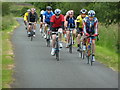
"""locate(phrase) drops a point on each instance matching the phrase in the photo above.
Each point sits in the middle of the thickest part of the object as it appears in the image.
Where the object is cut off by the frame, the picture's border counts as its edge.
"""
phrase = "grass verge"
(107, 57)
(7, 55)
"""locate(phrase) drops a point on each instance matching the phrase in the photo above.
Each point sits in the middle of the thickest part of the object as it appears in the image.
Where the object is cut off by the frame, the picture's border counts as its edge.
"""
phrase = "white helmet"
(57, 11)
(28, 10)
(91, 13)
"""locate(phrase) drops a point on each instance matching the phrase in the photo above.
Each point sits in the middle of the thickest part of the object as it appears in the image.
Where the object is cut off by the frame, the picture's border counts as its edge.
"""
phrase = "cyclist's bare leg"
(60, 36)
(68, 36)
(74, 34)
(41, 23)
(45, 28)
(93, 46)
(29, 28)
(25, 22)
(78, 38)
(53, 40)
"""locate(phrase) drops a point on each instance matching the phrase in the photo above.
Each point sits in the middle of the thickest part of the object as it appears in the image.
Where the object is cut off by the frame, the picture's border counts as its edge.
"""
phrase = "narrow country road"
(36, 68)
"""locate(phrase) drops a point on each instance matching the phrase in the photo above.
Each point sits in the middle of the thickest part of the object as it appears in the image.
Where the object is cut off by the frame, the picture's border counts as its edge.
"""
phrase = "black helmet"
(48, 8)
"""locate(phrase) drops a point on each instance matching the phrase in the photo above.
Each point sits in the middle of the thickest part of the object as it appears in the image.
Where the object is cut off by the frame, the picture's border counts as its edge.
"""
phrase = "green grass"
(107, 57)
(108, 37)
(7, 53)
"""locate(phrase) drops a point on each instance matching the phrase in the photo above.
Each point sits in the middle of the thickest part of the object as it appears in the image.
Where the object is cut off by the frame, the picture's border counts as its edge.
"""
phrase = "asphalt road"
(36, 68)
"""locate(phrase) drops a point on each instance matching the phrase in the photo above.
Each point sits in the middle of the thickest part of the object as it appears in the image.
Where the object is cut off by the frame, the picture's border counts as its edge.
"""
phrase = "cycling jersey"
(57, 22)
(71, 22)
(90, 27)
(80, 20)
(32, 17)
(48, 16)
(26, 16)
(41, 18)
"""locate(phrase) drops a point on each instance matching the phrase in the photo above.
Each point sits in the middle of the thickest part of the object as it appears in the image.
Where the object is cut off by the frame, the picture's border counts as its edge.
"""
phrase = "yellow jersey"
(80, 20)
(26, 16)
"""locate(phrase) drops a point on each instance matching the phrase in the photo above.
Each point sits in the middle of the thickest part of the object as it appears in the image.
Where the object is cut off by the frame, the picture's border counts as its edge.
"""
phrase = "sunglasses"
(57, 14)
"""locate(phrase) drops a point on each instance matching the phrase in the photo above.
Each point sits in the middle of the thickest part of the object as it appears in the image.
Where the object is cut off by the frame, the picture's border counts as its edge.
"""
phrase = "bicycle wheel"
(70, 46)
(57, 51)
(87, 59)
(48, 42)
(31, 35)
(91, 60)
(83, 55)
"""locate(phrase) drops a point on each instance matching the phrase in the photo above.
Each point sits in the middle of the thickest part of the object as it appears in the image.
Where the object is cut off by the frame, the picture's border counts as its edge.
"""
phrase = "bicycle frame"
(71, 39)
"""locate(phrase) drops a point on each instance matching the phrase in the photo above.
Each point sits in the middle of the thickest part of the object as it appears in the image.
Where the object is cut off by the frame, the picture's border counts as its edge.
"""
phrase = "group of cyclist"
(84, 25)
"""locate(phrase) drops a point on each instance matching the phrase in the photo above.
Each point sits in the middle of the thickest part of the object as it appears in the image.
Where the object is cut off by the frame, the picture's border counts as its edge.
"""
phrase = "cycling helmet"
(71, 12)
(28, 10)
(57, 11)
(32, 9)
(91, 13)
(83, 11)
(48, 8)
(42, 12)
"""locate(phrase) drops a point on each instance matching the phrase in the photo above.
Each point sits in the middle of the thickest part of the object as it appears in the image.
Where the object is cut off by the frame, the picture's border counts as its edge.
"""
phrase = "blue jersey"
(71, 22)
(48, 16)
(90, 26)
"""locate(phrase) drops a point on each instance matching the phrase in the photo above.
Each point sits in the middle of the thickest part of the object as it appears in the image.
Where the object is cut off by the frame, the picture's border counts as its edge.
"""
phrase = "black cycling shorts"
(31, 23)
(79, 31)
(55, 29)
(48, 23)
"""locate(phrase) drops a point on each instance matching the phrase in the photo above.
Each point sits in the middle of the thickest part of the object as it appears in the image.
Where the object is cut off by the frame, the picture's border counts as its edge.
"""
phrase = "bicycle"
(57, 45)
(89, 50)
(31, 30)
(71, 39)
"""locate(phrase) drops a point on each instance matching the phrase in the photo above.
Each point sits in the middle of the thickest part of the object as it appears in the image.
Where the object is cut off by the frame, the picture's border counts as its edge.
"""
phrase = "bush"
(23, 10)
(7, 22)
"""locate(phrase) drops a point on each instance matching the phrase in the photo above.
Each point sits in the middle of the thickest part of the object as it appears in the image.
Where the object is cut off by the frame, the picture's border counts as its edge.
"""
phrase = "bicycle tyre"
(57, 51)
(87, 59)
(31, 35)
(48, 42)
(91, 62)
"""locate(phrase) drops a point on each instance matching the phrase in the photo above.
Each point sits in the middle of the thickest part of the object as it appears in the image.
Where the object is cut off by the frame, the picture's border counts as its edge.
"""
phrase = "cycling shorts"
(79, 31)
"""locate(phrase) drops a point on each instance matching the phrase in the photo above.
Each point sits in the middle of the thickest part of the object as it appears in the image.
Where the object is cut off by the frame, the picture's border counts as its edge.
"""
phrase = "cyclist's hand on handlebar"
(95, 35)
(87, 34)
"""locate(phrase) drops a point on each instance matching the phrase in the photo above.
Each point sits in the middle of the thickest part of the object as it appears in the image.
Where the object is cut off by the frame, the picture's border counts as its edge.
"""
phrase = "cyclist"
(46, 17)
(56, 25)
(32, 17)
(26, 17)
(79, 23)
(41, 19)
(65, 24)
(90, 26)
(70, 21)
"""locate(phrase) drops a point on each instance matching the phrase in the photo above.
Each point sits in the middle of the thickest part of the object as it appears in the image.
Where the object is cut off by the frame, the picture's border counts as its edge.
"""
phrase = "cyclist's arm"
(25, 17)
(84, 27)
(96, 27)
(63, 20)
(51, 22)
(36, 17)
(78, 22)
(29, 17)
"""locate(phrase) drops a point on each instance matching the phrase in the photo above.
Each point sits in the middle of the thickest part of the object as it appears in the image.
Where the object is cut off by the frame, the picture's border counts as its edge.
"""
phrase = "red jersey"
(57, 22)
